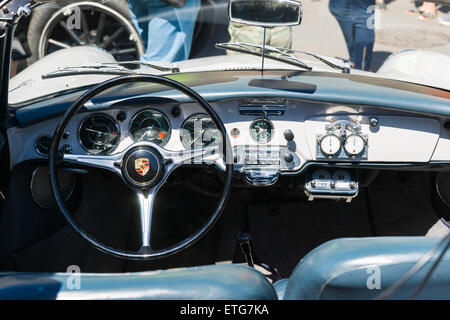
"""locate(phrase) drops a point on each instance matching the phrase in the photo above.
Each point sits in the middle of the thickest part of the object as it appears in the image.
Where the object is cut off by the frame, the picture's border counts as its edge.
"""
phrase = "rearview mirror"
(266, 13)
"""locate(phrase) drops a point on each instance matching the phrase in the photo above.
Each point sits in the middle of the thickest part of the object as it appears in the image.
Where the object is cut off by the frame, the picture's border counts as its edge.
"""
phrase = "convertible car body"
(216, 179)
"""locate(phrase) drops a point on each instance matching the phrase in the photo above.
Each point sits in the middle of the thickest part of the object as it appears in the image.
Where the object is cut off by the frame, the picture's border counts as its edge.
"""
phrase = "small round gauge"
(199, 131)
(342, 176)
(43, 145)
(330, 144)
(150, 125)
(99, 133)
(261, 130)
(321, 174)
(354, 144)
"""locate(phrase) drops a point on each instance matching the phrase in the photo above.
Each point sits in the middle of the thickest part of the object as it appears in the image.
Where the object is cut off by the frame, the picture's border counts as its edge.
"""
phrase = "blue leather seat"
(209, 282)
(361, 268)
(280, 288)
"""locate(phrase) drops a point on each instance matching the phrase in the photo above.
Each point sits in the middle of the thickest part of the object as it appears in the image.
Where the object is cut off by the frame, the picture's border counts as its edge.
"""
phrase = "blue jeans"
(165, 31)
(355, 18)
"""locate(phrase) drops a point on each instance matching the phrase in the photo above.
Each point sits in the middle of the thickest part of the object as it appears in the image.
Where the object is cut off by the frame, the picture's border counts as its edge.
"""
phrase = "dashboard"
(323, 127)
(295, 131)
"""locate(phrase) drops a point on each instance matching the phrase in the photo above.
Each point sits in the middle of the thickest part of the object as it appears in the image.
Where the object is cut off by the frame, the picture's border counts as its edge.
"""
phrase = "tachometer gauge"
(261, 130)
(330, 144)
(99, 134)
(150, 125)
(354, 145)
(199, 131)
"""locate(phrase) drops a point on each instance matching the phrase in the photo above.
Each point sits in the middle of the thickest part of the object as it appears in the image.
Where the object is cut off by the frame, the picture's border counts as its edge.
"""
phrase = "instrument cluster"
(100, 133)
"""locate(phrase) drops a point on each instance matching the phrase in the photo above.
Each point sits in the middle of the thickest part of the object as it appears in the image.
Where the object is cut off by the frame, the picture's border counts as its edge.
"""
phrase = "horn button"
(142, 167)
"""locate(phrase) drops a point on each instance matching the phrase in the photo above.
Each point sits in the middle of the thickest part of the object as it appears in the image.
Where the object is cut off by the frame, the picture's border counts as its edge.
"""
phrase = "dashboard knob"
(67, 148)
(122, 116)
(176, 112)
(288, 157)
(374, 122)
(289, 135)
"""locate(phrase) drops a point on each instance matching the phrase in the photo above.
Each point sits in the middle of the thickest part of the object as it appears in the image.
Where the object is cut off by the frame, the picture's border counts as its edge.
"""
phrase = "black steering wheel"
(144, 167)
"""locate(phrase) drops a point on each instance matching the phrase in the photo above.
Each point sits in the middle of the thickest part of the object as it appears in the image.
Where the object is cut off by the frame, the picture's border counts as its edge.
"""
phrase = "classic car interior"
(292, 184)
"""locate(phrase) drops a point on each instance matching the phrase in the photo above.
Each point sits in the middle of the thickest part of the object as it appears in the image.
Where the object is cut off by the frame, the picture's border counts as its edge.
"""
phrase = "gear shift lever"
(244, 241)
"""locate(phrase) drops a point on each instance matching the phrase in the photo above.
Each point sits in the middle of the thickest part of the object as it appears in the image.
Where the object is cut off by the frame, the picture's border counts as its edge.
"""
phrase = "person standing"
(165, 26)
(355, 17)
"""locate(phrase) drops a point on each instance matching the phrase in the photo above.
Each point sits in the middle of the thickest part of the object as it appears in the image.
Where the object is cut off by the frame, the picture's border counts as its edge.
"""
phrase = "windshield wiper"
(282, 52)
(88, 69)
(107, 68)
(321, 58)
(250, 49)
(174, 69)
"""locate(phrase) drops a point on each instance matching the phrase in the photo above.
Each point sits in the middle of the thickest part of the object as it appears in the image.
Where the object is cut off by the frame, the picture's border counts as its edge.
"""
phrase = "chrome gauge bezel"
(271, 134)
(204, 115)
(89, 151)
(169, 131)
(352, 154)
(327, 153)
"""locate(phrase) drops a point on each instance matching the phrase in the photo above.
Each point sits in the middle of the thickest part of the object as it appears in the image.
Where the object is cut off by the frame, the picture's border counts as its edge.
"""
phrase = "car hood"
(29, 85)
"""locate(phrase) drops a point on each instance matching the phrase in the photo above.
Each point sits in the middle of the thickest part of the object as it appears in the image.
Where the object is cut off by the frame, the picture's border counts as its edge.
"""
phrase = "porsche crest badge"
(142, 166)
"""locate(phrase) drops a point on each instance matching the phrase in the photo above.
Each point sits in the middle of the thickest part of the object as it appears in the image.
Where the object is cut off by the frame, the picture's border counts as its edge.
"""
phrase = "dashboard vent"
(263, 108)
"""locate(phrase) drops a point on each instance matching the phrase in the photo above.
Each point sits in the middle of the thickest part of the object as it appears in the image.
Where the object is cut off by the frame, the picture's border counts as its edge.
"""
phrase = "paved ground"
(320, 32)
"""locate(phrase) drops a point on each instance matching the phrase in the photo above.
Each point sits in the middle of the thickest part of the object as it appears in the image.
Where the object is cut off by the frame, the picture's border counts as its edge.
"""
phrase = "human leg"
(341, 11)
(139, 17)
(171, 31)
(363, 46)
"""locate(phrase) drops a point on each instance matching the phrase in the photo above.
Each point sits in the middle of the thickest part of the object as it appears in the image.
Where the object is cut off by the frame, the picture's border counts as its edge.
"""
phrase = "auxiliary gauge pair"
(354, 144)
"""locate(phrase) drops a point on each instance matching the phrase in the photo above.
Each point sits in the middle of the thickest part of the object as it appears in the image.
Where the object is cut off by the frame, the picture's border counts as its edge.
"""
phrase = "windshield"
(171, 35)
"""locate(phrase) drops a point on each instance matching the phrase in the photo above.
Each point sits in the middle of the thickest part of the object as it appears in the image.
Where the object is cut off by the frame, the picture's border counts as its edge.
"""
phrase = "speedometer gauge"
(99, 134)
(261, 130)
(330, 144)
(354, 145)
(150, 125)
(199, 131)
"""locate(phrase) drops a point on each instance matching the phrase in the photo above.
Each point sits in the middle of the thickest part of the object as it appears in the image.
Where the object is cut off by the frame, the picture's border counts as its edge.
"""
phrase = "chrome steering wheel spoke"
(146, 201)
(108, 162)
(208, 155)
